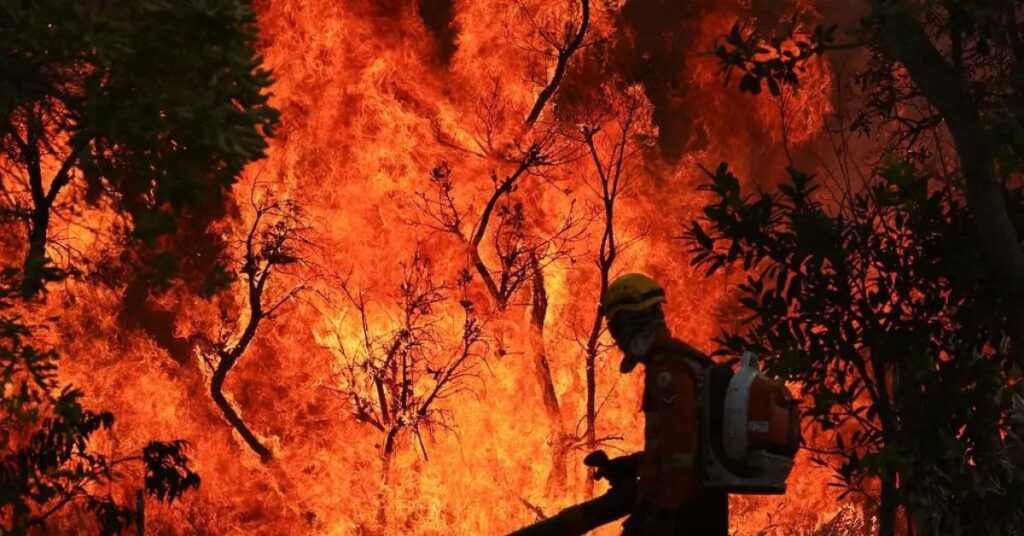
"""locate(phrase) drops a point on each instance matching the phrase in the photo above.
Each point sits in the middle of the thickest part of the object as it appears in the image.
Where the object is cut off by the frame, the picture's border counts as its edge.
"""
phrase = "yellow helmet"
(631, 292)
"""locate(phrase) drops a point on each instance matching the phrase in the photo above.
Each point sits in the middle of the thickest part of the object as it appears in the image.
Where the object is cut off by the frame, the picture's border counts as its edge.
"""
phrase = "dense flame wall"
(362, 86)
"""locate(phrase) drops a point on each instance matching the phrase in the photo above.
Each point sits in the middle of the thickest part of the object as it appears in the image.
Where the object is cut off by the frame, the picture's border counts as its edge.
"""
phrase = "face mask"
(640, 344)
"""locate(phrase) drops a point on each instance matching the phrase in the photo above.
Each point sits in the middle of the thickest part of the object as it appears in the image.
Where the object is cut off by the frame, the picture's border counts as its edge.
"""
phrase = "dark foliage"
(271, 250)
(902, 312)
(885, 315)
(46, 463)
(126, 106)
(167, 472)
(773, 60)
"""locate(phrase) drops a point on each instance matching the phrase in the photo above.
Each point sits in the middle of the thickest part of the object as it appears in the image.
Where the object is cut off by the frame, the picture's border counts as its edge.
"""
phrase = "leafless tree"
(29, 194)
(521, 255)
(274, 274)
(394, 373)
(612, 134)
(560, 38)
(519, 250)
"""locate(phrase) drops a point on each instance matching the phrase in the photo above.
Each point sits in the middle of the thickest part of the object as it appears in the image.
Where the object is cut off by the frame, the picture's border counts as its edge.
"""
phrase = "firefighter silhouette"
(670, 498)
(709, 430)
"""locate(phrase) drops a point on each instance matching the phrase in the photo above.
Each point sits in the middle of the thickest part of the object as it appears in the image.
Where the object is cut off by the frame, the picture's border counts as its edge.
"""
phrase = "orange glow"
(373, 100)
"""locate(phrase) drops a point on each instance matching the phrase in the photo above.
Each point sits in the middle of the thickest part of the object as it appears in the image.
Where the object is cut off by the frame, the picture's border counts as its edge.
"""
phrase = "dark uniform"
(671, 499)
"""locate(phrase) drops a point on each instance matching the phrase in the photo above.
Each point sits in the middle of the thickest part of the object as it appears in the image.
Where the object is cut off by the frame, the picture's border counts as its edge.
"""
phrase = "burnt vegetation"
(401, 368)
(510, 246)
(506, 249)
(611, 133)
(558, 38)
(522, 252)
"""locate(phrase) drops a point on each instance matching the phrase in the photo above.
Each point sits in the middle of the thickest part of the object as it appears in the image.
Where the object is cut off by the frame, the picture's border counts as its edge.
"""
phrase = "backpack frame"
(725, 462)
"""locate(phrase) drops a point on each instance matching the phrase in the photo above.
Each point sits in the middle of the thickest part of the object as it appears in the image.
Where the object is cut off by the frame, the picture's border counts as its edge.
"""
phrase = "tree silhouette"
(274, 274)
(941, 78)
(561, 38)
(47, 466)
(611, 131)
(962, 61)
(884, 314)
(397, 374)
(521, 251)
(112, 100)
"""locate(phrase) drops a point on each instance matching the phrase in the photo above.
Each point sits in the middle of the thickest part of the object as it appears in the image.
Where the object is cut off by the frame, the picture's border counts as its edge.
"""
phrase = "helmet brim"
(638, 306)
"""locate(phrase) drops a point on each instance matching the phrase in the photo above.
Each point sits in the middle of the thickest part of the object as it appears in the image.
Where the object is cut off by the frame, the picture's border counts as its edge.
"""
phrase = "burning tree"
(112, 101)
(273, 274)
(521, 251)
(561, 36)
(613, 131)
(396, 373)
(522, 254)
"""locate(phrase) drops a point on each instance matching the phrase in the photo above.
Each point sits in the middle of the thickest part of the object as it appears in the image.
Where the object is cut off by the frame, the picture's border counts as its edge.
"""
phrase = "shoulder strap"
(691, 354)
(699, 363)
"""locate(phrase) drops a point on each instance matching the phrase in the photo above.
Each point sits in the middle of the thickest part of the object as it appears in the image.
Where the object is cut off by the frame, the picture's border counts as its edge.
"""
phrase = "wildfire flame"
(374, 96)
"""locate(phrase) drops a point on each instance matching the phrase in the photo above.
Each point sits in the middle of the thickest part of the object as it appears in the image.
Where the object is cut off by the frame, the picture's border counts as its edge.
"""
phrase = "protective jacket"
(670, 496)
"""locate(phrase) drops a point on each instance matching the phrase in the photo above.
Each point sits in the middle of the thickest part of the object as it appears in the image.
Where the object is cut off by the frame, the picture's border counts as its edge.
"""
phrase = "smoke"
(439, 16)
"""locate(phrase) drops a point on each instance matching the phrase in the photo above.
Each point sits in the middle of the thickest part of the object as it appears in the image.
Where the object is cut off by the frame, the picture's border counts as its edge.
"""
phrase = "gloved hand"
(618, 471)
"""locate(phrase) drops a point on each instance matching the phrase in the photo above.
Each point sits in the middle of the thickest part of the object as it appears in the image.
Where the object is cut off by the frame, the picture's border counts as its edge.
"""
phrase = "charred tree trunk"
(944, 85)
(234, 419)
(610, 181)
(387, 455)
(593, 349)
(226, 361)
(591, 416)
(606, 258)
(564, 54)
(888, 505)
(905, 40)
(35, 258)
(538, 315)
(43, 198)
(263, 251)
(39, 223)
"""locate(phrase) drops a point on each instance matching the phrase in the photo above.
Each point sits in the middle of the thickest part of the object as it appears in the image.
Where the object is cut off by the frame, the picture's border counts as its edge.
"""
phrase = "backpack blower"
(750, 426)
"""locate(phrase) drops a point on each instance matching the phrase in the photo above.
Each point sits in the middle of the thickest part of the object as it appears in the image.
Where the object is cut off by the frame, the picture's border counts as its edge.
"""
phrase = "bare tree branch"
(396, 373)
(564, 46)
(269, 249)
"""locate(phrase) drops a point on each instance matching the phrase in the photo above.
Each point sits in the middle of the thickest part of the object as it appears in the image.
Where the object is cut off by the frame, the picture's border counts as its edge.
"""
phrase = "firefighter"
(670, 497)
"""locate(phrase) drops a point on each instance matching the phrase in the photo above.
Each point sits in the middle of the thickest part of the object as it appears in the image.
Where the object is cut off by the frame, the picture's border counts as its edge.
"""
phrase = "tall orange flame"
(374, 95)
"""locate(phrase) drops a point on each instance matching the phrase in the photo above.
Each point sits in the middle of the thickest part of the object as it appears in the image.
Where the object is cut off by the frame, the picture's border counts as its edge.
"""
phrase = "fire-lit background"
(387, 105)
